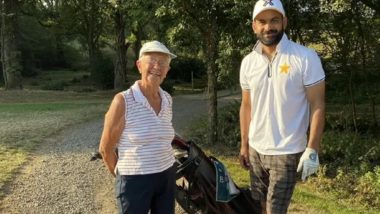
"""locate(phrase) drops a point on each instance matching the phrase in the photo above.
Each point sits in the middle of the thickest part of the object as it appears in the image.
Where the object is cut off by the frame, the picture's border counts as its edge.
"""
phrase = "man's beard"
(274, 40)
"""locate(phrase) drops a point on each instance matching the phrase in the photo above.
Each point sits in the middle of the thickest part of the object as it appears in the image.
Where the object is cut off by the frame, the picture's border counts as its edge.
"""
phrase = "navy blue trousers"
(137, 194)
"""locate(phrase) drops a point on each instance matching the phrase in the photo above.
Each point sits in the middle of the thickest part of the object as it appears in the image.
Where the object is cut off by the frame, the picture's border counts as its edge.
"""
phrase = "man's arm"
(245, 119)
(113, 127)
(316, 96)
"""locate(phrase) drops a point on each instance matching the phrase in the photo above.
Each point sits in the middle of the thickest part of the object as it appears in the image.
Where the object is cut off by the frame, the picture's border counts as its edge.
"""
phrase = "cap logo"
(268, 2)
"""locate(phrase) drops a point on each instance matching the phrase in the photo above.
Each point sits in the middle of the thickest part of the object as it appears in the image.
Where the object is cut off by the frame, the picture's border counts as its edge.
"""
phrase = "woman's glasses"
(153, 62)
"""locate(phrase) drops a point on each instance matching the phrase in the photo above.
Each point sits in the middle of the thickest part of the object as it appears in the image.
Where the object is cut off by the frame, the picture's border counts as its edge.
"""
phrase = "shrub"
(75, 80)
(85, 89)
(368, 188)
(168, 86)
(349, 149)
(181, 69)
(54, 85)
(351, 186)
(228, 127)
(103, 75)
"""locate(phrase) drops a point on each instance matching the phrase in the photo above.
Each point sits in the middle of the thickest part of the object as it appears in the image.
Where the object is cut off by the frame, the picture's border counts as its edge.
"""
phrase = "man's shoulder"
(250, 56)
(301, 50)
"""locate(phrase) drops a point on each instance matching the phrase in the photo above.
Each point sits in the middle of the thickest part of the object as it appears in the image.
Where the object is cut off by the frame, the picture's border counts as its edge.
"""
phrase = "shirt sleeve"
(313, 72)
(242, 76)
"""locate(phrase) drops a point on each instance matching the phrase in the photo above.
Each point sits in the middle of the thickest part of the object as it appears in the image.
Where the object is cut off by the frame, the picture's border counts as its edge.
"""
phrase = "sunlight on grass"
(325, 203)
(10, 159)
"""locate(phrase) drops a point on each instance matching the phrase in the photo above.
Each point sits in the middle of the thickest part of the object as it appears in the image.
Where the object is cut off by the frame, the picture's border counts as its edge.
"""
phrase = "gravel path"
(59, 178)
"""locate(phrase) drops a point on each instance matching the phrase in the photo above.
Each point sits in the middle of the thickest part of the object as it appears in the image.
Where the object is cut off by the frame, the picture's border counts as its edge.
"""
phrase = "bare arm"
(113, 127)
(316, 97)
(245, 119)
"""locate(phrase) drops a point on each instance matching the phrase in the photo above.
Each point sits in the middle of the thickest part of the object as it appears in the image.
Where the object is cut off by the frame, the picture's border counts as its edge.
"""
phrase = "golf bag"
(196, 184)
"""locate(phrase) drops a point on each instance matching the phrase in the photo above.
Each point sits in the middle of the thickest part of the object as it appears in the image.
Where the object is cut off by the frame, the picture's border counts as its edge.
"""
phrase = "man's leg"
(282, 180)
(259, 179)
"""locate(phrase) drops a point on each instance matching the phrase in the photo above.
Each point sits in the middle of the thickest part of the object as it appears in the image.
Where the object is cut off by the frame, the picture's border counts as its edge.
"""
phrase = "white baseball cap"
(155, 46)
(263, 5)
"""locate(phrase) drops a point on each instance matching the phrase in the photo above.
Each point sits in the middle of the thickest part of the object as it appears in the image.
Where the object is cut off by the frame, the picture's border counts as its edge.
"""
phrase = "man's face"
(269, 27)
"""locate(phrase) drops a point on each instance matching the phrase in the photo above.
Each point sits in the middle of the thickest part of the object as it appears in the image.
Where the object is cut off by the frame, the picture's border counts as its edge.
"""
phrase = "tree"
(50, 15)
(355, 48)
(143, 24)
(10, 53)
(210, 22)
(121, 47)
(89, 18)
(203, 15)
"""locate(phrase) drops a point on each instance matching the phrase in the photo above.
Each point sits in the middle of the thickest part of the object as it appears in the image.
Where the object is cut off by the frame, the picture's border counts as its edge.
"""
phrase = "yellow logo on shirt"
(284, 68)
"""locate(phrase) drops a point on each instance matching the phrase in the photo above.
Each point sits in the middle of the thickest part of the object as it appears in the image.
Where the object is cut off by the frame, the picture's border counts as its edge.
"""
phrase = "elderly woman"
(138, 123)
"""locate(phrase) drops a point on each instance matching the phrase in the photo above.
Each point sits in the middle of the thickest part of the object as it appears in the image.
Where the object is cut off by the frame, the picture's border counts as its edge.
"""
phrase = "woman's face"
(153, 67)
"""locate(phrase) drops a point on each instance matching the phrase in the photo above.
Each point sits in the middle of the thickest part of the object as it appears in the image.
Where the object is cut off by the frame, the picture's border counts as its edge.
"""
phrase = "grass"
(28, 117)
(326, 203)
(305, 199)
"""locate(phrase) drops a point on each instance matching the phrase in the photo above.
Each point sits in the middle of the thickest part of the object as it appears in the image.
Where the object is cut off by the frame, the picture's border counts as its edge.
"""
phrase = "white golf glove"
(309, 163)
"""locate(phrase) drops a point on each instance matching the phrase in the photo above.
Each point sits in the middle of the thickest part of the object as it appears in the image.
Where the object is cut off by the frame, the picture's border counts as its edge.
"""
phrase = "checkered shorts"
(273, 178)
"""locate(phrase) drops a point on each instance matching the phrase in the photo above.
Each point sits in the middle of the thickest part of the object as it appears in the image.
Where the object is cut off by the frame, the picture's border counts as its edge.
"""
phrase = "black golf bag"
(196, 184)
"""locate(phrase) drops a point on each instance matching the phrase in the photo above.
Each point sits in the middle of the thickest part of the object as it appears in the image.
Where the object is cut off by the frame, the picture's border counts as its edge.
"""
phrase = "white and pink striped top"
(145, 144)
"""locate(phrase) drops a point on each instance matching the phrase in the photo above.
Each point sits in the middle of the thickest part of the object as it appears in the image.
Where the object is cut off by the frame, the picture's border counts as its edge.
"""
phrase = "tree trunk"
(92, 37)
(363, 55)
(59, 54)
(353, 105)
(11, 56)
(93, 57)
(211, 51)
(138, 33)
(121, 51)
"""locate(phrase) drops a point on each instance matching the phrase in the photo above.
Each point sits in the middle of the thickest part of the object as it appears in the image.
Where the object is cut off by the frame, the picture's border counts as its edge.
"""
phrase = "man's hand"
(244, 157)
(309, 163)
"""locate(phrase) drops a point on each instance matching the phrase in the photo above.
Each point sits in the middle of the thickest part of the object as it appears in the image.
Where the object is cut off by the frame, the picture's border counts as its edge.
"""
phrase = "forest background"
(98, 41)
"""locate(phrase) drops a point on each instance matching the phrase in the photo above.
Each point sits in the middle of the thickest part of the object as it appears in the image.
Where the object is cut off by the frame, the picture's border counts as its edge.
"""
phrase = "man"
(283, 93)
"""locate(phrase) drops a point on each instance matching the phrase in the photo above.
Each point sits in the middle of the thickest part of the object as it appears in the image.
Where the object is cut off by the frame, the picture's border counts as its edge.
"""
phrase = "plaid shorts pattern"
(273, 178)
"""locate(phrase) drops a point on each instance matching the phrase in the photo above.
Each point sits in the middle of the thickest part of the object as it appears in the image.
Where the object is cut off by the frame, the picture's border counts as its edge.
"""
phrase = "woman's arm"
(113, 127)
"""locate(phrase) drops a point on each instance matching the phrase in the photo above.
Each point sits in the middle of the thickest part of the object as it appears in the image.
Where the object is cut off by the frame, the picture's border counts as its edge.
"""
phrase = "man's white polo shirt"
(279, 108)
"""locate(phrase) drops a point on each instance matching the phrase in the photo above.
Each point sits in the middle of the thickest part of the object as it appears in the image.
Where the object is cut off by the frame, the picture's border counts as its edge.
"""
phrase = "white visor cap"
(156, 46)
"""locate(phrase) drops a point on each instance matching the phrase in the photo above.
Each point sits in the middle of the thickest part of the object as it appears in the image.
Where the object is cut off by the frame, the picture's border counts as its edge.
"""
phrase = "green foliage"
(228, 127)
(103, 75)
(351, 186)
(38, 47)
(168, 86)
(191, 24)
(368, 188)
(182, 69)
(229, 62)
(343, 121)
(57, 85)
(75, 57)
(344, 148)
